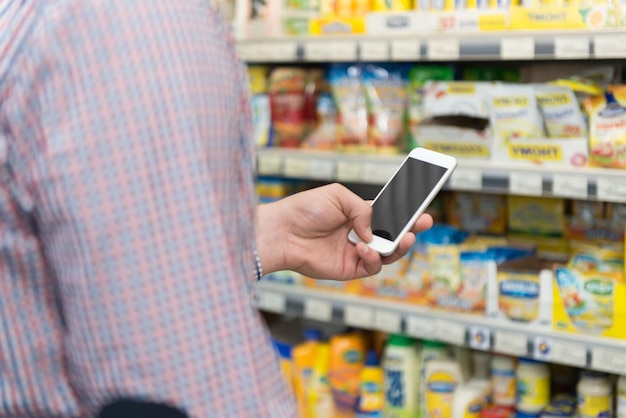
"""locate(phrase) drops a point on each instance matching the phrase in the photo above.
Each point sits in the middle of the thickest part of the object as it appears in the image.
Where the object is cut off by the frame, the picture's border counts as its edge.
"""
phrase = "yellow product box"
(543, 151)
(581, 16)
(521, 292)
(555, 247)
(334, 25)
(592, 292)
(536, 215)
(590, 302)
(470, 20)
(349, 286)
(479, 213)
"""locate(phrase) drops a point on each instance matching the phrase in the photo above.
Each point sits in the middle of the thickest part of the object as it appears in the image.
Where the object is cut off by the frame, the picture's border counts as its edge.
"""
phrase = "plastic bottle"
(594, 393)
(430, 350)
(286, 362)
(621, 397)
(401, 367)
(442, 379)
(503, 380)
(371, 395)
(304, 356)
(320, 402)
(469, 401)
(347, 354)
(533, 386)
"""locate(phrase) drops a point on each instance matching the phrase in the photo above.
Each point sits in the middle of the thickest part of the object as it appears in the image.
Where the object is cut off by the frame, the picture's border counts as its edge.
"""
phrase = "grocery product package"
(456, 119)
(292, 93)
(348, 92)
(590, 292)
(514, 113)
(479, 213)
(418, 76)
(521, 292)
(386, 90)
(262, 118)
(450, 270)
(561, 112)
(607, 128)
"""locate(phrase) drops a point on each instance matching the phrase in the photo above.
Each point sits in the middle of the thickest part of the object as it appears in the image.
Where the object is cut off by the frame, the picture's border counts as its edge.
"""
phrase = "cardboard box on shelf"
(582, 16)
(592, 303)
(405, 23)
(334, 25)
(590, 291)
(549, 151)
(456, 119)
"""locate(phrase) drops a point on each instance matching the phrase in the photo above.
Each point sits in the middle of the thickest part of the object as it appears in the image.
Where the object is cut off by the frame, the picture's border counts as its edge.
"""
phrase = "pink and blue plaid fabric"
(127, 213)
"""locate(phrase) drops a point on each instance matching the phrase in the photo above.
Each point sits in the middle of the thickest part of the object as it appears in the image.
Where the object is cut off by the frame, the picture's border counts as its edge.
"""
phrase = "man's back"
(126, 213)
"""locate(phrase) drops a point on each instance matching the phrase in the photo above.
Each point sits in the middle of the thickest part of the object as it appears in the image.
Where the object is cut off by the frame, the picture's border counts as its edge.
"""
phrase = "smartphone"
(406, 196)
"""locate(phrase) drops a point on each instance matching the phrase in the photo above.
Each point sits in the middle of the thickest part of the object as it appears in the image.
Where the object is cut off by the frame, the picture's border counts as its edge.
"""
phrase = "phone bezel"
(385, 246)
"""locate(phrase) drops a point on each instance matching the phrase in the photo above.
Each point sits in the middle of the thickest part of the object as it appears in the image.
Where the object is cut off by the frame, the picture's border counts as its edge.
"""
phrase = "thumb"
(357, 210)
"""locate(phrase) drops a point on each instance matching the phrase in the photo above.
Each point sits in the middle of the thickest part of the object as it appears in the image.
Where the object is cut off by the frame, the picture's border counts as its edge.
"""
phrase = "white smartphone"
(405, 197)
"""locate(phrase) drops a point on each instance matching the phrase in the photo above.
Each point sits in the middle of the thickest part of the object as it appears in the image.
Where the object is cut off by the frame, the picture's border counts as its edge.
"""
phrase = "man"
(127, 217)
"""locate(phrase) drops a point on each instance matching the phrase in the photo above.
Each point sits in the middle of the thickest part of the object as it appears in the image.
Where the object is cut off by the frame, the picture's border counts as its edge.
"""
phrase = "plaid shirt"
(127, 213)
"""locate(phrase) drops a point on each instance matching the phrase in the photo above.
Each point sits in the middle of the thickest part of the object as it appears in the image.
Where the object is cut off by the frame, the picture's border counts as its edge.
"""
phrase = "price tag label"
(285, 51)
(272, 301)
(480, 338)
(609, 46)
(270, 164)
(374, 50)
(450, 332)
(359, 316)
(517, 48)
(570, 185)
(390, 322)
(316, 51)
(611, 189)
(526, 183)
(511, 343)
(443, 49)
(348, 171)
(467, 179)
(571, 47)
(608, 360)
(252, 51)
(296, 167)
(322, 169)
(570, 353)
(419, 327)
(405, 50)
(340, 50)
(542, 348)
(319, 310)
(378, 173)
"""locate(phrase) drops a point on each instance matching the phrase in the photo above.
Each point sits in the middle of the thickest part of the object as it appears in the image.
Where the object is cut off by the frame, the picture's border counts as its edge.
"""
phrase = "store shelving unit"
(478, 332)
(472, 175)
(441, 46)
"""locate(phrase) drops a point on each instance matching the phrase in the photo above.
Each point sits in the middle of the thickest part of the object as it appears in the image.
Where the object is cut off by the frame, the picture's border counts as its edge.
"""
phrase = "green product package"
(418, 76)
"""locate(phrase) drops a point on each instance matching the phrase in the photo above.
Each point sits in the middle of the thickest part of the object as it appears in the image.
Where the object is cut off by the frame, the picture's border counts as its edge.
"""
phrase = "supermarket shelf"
(481, 333)
(440, 46)
(607, 185)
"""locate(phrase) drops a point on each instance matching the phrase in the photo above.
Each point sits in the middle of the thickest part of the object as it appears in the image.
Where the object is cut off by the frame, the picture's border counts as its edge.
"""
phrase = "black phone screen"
(403, 196)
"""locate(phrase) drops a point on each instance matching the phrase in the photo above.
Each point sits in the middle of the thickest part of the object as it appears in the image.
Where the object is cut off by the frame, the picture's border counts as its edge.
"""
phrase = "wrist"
(270, 238)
